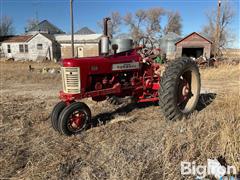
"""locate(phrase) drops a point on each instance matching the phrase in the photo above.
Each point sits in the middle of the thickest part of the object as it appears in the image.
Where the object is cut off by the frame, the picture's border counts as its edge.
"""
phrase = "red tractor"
(127, 71)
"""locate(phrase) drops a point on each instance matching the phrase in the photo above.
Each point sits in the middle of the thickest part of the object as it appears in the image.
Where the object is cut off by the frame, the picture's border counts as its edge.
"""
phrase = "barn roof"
(191, 35)
(49, 36)
(24, 38)
(85, 31)
(46, 26)
(66, 38)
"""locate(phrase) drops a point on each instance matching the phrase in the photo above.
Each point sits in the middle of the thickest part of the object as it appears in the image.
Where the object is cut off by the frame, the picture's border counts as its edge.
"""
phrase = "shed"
(84, 45)
(193, 45)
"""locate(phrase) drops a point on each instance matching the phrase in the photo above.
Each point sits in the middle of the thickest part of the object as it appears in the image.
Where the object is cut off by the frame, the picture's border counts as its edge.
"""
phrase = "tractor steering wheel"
(147, 46)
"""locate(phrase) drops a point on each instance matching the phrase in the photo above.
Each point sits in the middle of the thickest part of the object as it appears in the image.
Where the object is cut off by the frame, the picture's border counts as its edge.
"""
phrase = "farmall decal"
(125, 66)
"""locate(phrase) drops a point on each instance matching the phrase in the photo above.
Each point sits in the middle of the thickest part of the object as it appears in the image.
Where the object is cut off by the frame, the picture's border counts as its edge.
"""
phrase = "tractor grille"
(71, 80)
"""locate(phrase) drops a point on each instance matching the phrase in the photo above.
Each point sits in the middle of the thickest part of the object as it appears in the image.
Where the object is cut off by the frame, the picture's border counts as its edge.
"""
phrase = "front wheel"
(179, 89)
(74, 118)
(55, 114)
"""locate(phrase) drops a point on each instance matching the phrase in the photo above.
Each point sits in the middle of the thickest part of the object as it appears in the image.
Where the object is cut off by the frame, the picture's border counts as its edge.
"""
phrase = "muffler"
(105, 38)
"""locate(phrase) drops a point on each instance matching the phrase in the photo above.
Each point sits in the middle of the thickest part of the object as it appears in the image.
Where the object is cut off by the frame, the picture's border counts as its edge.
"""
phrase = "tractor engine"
(123, 74)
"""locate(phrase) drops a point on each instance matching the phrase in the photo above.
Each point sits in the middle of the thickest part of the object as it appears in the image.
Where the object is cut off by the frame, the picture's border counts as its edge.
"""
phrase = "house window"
(21, 48)
(26, 48)
(8, 48)
(39, 46)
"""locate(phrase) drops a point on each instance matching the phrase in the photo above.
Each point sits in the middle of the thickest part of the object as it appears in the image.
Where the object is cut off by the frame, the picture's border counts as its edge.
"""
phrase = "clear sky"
(88, 12)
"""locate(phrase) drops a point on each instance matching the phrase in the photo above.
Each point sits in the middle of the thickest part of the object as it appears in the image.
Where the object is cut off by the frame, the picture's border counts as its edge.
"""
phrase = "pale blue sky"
(87, 13)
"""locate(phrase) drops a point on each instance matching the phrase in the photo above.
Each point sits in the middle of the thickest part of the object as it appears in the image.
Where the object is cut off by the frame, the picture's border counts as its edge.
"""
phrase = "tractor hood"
(102, 64)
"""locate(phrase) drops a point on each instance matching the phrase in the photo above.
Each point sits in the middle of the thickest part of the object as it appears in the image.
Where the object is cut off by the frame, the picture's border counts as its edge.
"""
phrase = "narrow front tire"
(55, 114)
(74, 118)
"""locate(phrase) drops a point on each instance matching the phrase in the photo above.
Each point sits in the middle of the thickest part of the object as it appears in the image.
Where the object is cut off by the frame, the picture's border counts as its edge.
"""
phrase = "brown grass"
(139, 144)
(223, 72)
(17, 72)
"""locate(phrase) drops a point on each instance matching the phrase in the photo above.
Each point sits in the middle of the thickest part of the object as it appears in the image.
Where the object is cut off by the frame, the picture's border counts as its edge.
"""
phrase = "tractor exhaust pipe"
(105, 38)
(105, 26)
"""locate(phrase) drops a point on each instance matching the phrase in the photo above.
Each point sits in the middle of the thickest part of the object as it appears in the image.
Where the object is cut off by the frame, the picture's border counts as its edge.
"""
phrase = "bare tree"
(114, 24)
(153, 21)
(135, 23)
(116, 21)
(174, 23)
(144, 23)
(224, 35)
(6, 26)
(32, 22)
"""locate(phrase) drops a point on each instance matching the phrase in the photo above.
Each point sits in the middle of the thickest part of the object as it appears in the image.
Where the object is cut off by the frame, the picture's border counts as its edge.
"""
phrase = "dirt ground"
(127, 141)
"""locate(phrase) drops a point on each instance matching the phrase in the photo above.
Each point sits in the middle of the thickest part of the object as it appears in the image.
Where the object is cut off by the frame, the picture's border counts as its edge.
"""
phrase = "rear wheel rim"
(187, 91)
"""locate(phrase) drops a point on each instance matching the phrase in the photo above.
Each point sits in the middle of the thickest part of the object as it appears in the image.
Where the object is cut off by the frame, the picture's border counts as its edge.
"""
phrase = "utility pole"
(217, 34)
(37, 16)
(35, 4)
(72, 27)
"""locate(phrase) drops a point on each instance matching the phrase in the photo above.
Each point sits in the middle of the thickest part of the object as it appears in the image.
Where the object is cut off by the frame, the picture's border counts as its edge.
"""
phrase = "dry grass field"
(127, 141)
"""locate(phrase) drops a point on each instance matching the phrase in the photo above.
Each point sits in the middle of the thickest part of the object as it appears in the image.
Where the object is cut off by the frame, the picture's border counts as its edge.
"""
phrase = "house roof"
(4, 38)
(85, 31)
(46, 26)
(24, 38)
(191, 35)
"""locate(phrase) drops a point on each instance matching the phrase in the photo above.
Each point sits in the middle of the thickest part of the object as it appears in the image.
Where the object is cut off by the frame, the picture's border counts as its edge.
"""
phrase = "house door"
(80, 51)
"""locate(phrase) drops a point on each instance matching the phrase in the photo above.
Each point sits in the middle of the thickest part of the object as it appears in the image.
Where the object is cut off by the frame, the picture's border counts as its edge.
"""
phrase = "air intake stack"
(105, 38)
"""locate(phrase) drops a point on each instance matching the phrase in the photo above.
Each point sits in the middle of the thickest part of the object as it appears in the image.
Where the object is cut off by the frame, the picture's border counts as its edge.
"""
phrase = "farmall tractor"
(122, 71)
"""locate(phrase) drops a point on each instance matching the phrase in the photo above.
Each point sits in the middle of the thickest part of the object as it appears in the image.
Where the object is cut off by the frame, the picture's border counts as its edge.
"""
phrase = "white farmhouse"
(31, 47)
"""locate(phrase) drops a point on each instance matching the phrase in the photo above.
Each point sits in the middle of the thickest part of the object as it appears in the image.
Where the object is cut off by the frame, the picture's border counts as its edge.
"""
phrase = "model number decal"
(125, 66)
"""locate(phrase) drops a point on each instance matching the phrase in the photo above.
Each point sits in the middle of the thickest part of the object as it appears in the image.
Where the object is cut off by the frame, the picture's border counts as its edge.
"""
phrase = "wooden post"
(217, 33)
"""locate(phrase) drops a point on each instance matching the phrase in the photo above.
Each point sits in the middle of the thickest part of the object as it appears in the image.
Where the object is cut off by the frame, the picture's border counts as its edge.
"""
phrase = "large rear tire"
(179, 89)
(55, 114)
(74, 118)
